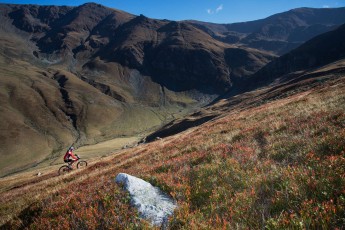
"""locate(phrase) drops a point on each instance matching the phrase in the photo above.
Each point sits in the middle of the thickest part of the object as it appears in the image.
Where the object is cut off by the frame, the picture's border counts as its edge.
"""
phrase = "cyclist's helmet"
(72, 148)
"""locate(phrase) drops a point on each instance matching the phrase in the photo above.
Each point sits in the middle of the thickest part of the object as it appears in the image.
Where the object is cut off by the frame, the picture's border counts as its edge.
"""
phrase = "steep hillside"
(281, 88)
(321, 50)
(320, 56)
(278, 33)
(275, 159)
(44, 110)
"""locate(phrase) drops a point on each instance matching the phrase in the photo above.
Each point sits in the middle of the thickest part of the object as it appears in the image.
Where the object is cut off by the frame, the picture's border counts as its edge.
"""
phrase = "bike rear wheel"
(81, 164)
(64, 169)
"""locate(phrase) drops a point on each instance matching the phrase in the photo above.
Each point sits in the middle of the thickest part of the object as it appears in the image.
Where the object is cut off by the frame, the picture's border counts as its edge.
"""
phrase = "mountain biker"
(70, 157)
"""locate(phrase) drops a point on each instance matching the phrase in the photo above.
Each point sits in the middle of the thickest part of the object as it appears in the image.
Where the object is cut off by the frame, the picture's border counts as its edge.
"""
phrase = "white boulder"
(152, 204)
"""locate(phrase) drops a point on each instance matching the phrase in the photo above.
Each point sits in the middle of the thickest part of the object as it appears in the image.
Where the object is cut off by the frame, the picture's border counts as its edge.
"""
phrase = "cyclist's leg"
(69, 162)
(72, 162)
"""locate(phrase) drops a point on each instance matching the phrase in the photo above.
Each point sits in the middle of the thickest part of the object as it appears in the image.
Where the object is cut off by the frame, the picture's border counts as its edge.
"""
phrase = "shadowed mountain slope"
(319, 51)
(320, 59)
(175, 54)
(278, 33)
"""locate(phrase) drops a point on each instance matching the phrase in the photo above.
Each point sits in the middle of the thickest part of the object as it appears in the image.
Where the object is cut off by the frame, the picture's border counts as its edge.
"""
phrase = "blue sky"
(218, 11)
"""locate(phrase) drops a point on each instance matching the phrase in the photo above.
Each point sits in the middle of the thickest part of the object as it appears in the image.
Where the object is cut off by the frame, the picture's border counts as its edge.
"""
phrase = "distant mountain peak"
(278, 33)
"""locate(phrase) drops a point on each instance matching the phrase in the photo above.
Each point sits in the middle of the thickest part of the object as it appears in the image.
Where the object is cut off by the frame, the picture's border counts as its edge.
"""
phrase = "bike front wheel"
(64, 169)
(81, 164)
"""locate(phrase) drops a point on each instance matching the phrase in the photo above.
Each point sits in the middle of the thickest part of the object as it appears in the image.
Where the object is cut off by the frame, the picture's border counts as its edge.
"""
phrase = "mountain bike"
(67, 168)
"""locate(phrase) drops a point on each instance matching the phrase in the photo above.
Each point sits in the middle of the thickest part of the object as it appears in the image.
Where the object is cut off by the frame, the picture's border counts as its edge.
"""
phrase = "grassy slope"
(279, 164)
(33, 138)
(33, 126)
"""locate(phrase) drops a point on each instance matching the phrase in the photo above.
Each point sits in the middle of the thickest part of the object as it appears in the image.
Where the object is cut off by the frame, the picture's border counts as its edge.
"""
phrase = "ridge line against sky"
(217, 11)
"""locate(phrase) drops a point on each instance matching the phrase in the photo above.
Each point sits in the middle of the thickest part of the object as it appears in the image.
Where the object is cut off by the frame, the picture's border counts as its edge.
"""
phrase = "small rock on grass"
(152, 204)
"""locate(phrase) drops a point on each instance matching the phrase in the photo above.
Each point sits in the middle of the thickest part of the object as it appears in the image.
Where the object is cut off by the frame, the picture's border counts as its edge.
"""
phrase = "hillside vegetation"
(278, 164)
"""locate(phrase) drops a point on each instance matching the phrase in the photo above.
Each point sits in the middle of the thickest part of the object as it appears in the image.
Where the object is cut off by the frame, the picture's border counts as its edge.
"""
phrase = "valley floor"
(278, 163)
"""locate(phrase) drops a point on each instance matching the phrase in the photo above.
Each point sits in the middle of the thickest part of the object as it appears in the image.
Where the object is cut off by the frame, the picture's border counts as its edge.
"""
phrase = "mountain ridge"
(280, 32)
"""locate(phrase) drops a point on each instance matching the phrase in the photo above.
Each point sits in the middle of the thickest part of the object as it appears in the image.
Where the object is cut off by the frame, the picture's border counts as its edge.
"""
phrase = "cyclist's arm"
(74, 157)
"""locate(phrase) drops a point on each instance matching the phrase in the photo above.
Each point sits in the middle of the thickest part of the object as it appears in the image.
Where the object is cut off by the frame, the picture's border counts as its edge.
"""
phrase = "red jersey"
(69, 154)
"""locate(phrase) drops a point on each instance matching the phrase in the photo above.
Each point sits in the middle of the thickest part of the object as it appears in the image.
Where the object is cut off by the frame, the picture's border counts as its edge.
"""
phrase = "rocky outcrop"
(152, 204)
